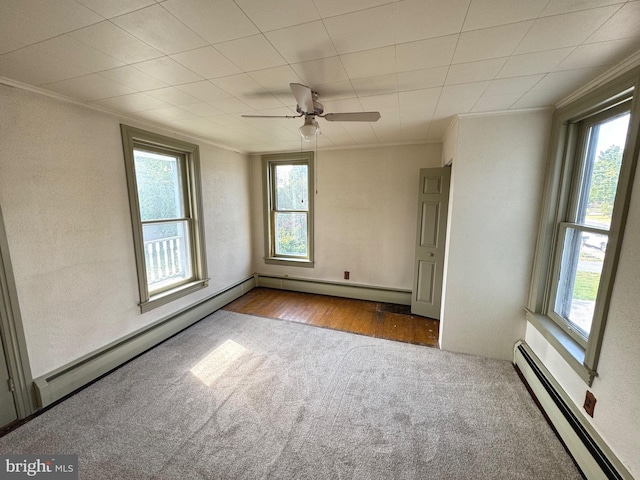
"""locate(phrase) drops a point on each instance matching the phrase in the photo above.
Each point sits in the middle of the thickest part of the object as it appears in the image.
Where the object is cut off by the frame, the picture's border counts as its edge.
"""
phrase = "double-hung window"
(288, 185)
(163, 176)
(594, 153)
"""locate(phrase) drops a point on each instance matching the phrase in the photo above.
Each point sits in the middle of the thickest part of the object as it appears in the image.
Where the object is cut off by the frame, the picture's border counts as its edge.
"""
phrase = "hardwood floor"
(374, 319)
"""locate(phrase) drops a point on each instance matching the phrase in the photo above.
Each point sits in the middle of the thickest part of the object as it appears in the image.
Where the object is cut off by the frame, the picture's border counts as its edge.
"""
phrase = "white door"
(433, 202)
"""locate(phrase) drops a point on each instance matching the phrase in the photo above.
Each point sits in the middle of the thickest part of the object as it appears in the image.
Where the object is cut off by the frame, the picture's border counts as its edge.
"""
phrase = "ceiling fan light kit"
(309, 108)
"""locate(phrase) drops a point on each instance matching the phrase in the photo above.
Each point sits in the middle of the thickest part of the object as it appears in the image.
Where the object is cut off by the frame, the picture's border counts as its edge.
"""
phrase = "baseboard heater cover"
(593, 456)
(336, 289)
(61, 382)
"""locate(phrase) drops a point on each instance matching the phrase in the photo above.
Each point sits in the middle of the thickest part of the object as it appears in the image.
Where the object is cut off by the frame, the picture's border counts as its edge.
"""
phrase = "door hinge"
(12, 387)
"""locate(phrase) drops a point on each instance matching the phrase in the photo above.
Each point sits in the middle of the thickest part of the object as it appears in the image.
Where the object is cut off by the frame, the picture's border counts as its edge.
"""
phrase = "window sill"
(170, 295)
(291, 262)
(570, 350)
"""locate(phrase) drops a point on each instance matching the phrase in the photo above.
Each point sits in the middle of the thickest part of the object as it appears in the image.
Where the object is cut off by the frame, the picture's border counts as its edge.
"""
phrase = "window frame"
(269, 162)
(561, 194)
(189, 155)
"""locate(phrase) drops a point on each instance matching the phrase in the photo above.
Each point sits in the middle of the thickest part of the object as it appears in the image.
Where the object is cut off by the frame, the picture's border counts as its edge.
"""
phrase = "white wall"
(617, 386)
(365, 215)
(64, 198)
(497, 178)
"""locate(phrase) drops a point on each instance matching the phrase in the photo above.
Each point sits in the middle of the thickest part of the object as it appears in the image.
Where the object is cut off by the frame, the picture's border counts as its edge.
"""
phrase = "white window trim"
(582, 357)
(132, 138)
(268, 198)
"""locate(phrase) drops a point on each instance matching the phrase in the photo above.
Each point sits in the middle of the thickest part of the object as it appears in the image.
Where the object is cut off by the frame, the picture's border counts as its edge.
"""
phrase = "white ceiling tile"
(423, 54)
(61, 15)
(302, 42)
(342, 106)
(262, 101)
(437, 129)
(31, 66)
(166, 114)
(276, 79)
(474, 71)
(158, 28)
(388, 102)
(419, 103)
(363, 30)
(370, 63)
(514, 85)
(533, 63)
(136, 102)
(77, 53)
(495, 103)
(557, 7)
(172, 96)
(456, 99)
(491, 13)
(491, 42)
(231, 105)
(214, 20)
(23, 29)
(89, 87)
(204, 90)
(331, 8)
(201, 109)
(419, 79)
(598, 54)
(112, 40)
(206, 62)
(362, 133)
(380, 85)
(325, 70)
(622, 25)
(251, 53)
(474, 89)
(564, 30)
(279, 13)
(335, 91)
(238, 85)
(421, 19)
(168, 70)
(555, 86)
(9, 44)
(113, 8)
(132, 78)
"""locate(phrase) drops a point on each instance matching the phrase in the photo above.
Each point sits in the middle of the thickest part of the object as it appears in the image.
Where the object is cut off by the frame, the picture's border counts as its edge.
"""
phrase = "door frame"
(15, 346)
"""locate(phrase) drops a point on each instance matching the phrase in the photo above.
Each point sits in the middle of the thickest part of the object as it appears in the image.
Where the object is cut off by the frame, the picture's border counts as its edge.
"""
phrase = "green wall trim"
(65, 380)
(321, 287)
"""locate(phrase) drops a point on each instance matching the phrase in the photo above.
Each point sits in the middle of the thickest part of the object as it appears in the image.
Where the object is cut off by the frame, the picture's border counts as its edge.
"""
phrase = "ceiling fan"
(309, 108)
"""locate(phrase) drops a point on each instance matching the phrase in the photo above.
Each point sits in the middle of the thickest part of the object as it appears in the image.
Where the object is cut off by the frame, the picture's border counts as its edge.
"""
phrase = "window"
(163, 176)
(289, 208)
(594, 151)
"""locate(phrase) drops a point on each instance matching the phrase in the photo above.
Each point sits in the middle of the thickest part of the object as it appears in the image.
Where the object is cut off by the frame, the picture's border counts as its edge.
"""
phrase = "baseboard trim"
(360, 292)
(57, 384)
(590, 452)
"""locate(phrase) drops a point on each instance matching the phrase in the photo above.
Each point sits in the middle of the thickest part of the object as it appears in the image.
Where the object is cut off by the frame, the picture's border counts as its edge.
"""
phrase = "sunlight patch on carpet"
(216, 363)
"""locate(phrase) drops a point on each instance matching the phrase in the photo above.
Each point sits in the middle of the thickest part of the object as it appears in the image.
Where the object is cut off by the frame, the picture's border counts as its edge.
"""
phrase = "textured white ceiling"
(197, 65)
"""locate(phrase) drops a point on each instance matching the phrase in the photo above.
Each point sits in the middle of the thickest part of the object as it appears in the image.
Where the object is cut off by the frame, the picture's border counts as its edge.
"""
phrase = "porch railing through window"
(163, 258)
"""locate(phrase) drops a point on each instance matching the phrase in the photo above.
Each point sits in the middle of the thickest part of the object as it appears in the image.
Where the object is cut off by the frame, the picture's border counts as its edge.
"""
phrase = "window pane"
(582, 258)
(167, 254)
(291, 234)
(292, 187)
(159, 186)
(601, 171)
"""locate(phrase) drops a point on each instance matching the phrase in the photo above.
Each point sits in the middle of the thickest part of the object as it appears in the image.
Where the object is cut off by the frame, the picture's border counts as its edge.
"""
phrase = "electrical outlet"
(589, 403)
(346, 275)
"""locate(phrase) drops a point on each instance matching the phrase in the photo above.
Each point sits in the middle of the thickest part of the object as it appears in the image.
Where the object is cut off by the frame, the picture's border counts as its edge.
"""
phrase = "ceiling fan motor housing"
(318, 108)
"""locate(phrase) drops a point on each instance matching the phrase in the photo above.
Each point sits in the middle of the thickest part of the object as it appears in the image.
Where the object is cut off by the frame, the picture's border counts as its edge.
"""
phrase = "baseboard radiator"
(590, 452)
(69, 378)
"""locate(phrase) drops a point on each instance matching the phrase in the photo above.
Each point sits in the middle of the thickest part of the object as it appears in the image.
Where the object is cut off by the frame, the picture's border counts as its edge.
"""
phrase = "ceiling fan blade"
(352, 117)
(304, 97)
(271, 116)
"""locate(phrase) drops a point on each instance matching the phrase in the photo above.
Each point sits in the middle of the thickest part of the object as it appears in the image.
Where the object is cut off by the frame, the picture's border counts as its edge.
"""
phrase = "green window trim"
(187, 160)
(581, 353)
(269, 164)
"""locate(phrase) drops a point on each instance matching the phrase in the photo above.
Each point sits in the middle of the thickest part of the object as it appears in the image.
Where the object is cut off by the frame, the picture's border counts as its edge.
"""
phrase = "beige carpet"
(242, 397)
